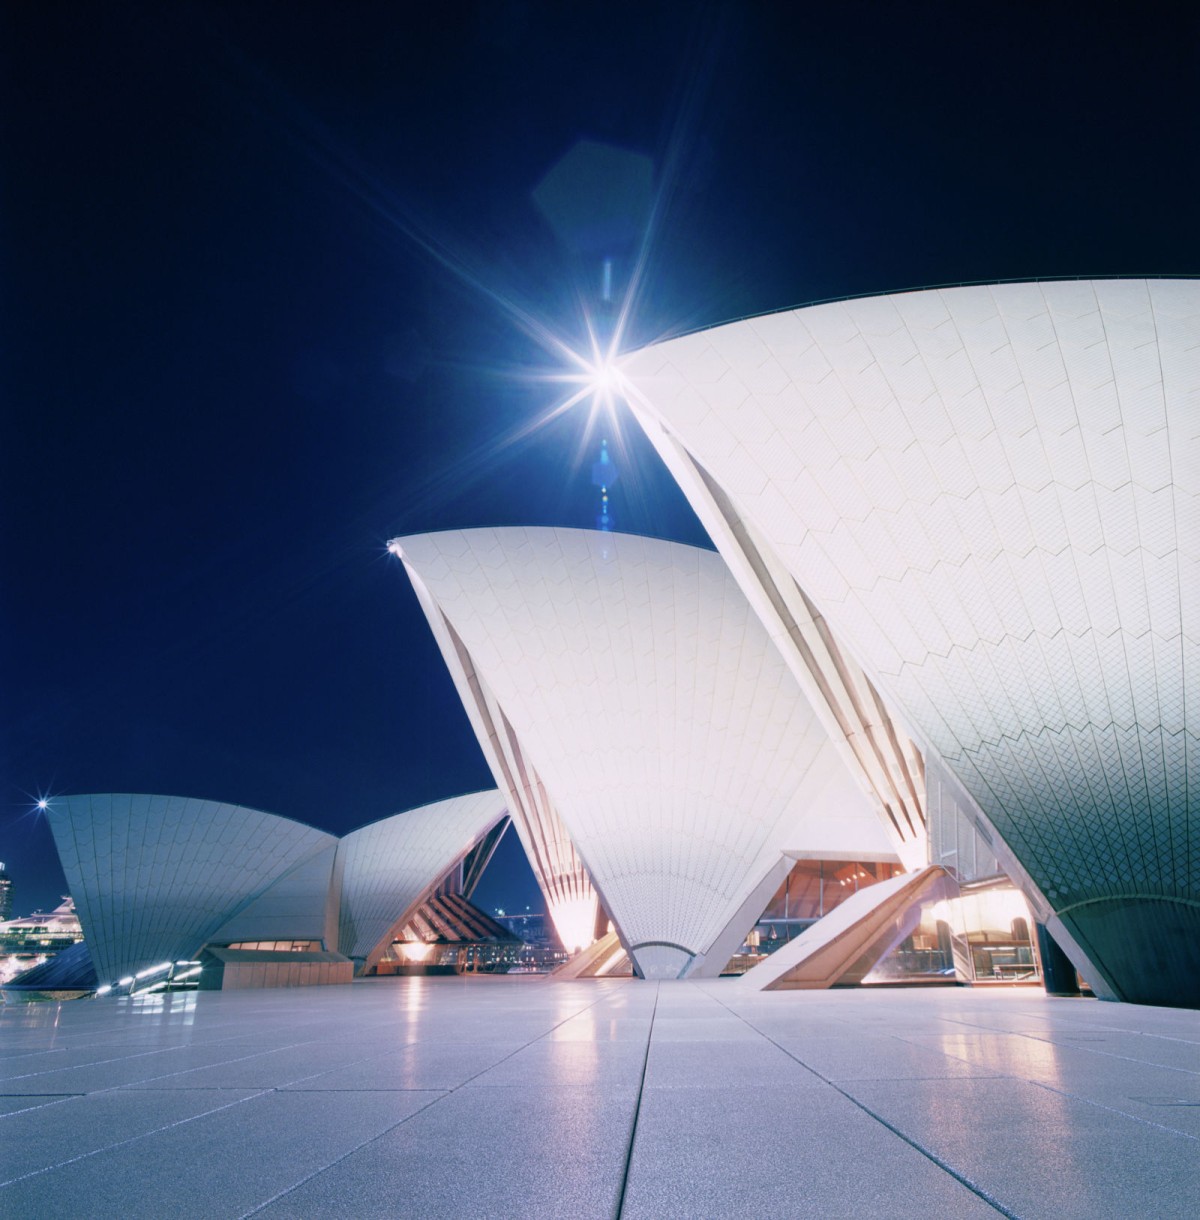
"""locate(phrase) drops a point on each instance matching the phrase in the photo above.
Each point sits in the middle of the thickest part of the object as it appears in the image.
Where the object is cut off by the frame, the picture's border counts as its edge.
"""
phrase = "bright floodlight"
(575, 921)
(605, 378)
(43, 804)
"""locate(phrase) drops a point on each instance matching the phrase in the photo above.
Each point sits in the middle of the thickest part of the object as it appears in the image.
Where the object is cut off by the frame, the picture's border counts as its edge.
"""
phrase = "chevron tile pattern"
(154, 877)
(992, 494)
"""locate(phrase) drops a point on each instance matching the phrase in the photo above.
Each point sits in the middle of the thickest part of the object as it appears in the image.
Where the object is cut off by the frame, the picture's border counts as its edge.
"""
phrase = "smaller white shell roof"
(389, 865)
(154, 877)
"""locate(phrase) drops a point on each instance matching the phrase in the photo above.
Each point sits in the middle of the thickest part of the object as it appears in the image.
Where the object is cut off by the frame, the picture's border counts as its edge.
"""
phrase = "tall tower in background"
(6, 901)
(597, 199)
(604, 475)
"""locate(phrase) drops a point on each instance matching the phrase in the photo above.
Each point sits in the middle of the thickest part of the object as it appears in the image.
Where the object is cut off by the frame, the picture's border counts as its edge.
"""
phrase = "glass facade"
(812, 889)
(980, 933)
(984, 935)
(956, 841)
(483, 957)
(280, 946)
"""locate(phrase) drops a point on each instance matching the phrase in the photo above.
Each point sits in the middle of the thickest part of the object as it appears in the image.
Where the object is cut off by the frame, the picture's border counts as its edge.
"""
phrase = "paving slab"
(429, 1065)
(499, 1153)
(683, 1064)
(30, 1101)
(703, 1028)
(603, 1027)
(37, 1138)
(774, 1152)
(601, 1066)
(223, 1163)
(1042, 1153)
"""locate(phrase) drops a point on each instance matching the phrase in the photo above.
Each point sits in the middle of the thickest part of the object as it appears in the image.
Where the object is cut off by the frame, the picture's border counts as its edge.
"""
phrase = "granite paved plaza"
(495, 1097)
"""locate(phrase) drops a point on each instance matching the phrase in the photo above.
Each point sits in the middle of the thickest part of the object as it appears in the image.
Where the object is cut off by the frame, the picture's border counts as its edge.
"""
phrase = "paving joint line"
(1041, 1084)
(138, 1086)
(1092, 1050)
(146, 1080)
(161, 1050)
(961, 1178)
(637, 1109)
(83, 1156)
(1100, 1033)
(1113, 1110)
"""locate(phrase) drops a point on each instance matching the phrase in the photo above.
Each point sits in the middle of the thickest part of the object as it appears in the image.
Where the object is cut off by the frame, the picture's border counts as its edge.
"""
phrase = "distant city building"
(6, 894)
(36, 938)
(531, 926)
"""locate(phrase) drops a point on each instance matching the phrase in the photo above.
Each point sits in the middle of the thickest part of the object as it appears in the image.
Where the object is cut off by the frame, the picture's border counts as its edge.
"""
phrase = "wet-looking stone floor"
(524, 1097)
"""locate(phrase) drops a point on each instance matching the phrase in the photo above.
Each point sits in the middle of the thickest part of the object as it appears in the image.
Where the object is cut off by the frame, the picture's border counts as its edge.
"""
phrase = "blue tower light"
(604, 475)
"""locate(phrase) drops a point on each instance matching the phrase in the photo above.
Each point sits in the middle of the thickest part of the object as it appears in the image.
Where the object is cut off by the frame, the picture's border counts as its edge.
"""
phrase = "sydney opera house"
(945, 645)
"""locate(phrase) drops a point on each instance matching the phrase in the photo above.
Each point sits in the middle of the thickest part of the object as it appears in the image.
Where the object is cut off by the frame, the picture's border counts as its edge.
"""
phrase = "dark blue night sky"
(258, 264)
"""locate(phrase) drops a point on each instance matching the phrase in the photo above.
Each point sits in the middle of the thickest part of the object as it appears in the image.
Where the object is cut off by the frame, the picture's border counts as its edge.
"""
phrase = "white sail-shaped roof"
(991, 493)
(666, 729)
(388, 867)
(155, 877)
(571, 901)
